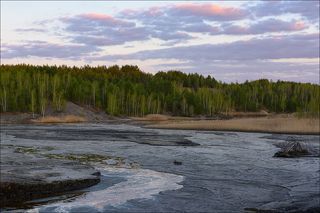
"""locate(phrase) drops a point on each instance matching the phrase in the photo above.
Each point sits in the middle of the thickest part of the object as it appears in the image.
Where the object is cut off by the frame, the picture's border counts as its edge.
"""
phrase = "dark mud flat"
(142, 137)
(226, 172)
(25, 177)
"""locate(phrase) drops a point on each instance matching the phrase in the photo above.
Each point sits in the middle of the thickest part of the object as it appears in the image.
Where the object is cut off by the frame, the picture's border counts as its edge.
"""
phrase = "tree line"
(128, 91)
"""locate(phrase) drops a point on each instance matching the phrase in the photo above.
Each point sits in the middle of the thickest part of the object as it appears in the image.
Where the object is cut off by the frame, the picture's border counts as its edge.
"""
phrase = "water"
(227, 172)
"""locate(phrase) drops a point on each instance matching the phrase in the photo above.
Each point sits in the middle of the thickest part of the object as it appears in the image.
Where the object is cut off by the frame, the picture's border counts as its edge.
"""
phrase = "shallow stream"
(225, 172)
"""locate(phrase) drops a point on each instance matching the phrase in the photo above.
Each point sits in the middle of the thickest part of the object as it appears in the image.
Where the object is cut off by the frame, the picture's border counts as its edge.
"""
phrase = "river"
(219, 171)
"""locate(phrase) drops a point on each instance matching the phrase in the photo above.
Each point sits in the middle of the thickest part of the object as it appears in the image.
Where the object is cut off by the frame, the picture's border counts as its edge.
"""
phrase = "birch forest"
(127, 91)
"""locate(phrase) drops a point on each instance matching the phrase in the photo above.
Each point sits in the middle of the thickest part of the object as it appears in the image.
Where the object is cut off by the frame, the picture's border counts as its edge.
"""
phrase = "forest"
(127, 91)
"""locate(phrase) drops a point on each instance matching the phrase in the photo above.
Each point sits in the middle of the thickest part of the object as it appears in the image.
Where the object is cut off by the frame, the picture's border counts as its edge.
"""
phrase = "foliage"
(128, 91)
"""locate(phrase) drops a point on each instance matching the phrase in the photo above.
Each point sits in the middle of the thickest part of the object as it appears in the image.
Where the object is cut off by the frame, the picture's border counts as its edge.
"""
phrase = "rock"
(177, 162)
(97, 173)
(18, 192)
(25, 177)
(127, 164)
(292, 149)
(111, 162)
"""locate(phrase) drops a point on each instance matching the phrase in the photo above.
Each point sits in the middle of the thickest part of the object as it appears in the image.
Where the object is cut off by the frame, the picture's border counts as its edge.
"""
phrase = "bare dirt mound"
(86, 112)
(72, 113)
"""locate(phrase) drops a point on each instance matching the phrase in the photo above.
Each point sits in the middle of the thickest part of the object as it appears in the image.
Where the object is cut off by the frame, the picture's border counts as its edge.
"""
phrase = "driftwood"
(292, 148)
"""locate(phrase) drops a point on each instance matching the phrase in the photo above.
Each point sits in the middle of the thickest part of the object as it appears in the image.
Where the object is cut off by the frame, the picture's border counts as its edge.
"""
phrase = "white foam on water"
(140, 184)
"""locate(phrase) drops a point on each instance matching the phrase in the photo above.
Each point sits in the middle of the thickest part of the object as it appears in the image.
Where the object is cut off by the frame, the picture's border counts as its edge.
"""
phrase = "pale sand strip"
(271, 125)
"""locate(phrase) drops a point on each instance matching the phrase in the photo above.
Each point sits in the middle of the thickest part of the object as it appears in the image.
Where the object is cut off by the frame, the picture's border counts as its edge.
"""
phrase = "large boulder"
(292, 148)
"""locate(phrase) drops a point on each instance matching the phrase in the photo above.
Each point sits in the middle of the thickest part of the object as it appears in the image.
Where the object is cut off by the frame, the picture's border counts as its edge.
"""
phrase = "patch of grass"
(54, 156)
(27, 150)
(261, 113)
(277, 124)
(155, 117)
(78, 157)
(48, 148)
(31, 150)
(62, 119)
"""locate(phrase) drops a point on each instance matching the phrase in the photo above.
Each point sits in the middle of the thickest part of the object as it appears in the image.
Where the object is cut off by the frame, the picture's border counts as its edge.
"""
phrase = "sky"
(233, 41)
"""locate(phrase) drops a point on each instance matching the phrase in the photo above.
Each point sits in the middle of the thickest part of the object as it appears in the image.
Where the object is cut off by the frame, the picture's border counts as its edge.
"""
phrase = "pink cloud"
(211, 10)
(87, 20)
(155, 11)
(97, 16)
(299, 25)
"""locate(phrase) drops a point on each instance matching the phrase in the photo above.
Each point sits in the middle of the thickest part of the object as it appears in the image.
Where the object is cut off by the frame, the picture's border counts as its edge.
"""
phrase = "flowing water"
(225, 172)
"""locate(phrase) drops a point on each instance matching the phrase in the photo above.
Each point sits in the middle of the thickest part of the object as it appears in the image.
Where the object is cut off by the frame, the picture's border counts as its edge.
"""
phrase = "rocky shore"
(25, 177)
(38, 171)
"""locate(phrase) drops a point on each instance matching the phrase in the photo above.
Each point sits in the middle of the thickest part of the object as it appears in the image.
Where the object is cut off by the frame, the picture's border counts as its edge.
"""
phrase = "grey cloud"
(102, 30)
(45, 50)
(38, 30)
(191, 18)
(240, 61)
(264, 26)
(307, 9)
(83, 21)
(232, 71)
(295, 46)
(175, 23)
(201, 28)
(110, 37)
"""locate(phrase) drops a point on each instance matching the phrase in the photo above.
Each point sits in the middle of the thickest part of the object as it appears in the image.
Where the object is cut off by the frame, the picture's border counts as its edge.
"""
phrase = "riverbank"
(238, 121)
(27, 174)
(282, 124)
(285, 124)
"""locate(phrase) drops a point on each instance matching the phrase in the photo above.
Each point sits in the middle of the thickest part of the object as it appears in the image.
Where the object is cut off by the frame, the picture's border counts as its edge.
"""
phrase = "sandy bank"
(60, 119)
(275, 124)
(236, 121)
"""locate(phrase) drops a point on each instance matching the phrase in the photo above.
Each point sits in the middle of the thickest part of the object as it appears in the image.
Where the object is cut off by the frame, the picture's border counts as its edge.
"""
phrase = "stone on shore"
(25, 177)
(292, 148)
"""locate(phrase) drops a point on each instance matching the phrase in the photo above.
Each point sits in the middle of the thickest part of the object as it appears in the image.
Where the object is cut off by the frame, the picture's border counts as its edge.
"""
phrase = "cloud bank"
(263, 31)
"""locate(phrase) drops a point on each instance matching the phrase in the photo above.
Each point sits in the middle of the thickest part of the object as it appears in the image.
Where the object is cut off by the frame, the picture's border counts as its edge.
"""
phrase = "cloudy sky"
(232, 41)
